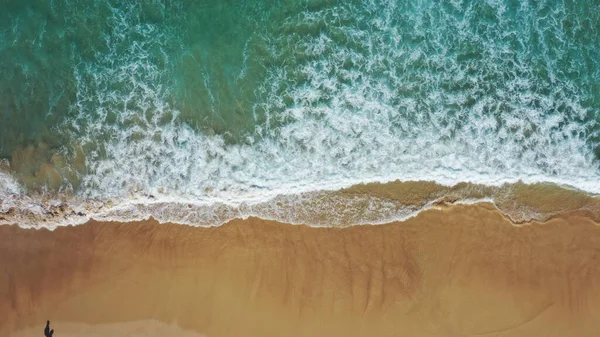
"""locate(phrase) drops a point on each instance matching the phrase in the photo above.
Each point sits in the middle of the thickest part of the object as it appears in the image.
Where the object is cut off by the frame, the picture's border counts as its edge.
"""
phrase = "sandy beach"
(464, 270)
(316, 168)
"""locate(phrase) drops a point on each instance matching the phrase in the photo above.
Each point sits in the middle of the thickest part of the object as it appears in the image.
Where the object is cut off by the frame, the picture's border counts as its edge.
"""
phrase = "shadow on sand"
(47, 331)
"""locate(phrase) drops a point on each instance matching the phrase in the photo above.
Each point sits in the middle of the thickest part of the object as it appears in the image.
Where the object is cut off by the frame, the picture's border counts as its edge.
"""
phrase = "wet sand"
(465, 270)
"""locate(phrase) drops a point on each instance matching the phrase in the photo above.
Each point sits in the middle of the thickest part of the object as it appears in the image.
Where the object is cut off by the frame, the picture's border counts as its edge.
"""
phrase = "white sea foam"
(8, 185)
(353, 108)
(312, 208)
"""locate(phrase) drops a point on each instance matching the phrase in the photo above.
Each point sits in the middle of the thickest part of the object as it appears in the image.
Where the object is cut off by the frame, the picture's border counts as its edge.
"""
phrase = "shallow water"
(236, 102)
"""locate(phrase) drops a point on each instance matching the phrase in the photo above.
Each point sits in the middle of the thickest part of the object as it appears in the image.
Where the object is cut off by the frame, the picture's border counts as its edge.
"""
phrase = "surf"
(314, 99)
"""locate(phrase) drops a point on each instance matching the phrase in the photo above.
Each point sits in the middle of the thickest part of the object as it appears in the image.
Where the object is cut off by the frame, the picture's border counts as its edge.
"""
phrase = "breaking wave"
(335, 95)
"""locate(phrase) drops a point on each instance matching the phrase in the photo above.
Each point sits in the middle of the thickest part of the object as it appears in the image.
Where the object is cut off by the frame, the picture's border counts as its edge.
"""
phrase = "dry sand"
(465, 270)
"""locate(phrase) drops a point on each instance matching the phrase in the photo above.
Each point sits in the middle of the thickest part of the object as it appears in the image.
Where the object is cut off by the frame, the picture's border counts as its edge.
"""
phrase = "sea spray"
(228, 107)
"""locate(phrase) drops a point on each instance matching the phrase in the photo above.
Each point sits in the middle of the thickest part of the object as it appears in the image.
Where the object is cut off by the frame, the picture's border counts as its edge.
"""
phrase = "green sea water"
(240, 100)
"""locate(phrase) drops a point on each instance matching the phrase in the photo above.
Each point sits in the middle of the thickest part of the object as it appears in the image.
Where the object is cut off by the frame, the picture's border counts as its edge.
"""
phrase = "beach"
(459, 270)
(306, 168)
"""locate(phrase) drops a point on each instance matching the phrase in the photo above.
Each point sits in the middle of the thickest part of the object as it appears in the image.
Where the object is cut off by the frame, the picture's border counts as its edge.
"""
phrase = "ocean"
(198, 112)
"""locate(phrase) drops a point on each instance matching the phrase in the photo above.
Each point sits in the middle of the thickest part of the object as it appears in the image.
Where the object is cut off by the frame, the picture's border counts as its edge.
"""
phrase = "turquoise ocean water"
(136, 108)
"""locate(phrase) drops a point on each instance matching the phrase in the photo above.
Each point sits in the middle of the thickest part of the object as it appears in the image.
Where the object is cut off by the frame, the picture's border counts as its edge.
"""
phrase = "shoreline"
(455, 271)
(372, 203)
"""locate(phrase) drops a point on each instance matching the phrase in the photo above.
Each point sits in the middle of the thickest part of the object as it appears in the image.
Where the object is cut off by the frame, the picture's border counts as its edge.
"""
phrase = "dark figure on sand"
(47, 331)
